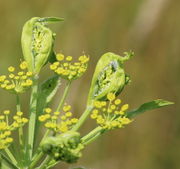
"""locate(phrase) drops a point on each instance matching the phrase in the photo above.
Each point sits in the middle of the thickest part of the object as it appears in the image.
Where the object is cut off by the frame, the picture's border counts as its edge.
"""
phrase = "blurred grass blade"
(155, 104)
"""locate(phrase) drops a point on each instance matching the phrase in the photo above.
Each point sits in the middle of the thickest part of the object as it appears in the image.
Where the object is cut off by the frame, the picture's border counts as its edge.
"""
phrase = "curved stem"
(93, 135)
(82, 118)
(32, 120)
(64, 96)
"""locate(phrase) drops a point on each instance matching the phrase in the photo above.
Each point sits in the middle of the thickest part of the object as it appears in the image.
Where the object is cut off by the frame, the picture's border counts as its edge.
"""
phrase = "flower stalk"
(32, 117)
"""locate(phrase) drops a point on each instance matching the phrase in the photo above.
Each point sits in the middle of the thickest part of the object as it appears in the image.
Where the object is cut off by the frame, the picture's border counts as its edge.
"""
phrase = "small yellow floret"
(66, 108)
(124, 107)
(19, 113)
(23, 65)
(56, 113)
(11, 69)
(53, 67)
(48, 110)
(9, 140)
(29, 82)
(117, 101)
(60, 57)
(97, 104)
(74, 120)
(68, 114)
(20, 73)
(69, 58)
(29, 73)
(111, 96)
(6, 112)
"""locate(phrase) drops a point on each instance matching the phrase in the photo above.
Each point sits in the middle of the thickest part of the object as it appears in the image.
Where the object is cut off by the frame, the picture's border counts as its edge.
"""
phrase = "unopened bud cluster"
(65, 147)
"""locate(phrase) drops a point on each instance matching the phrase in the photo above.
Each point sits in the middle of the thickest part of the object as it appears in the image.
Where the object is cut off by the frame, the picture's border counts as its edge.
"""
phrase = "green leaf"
(47, 90)
(52, 57)
(155, 104)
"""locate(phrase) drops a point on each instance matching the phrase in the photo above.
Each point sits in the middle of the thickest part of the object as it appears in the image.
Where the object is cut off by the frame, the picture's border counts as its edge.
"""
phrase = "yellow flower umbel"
(17, 82)
(6, 127)
(58, 122)
(68, 70)
(108, 114)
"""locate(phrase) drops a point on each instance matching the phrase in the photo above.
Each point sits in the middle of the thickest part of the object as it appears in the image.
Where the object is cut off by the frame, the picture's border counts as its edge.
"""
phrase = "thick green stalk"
(32, 118)
(82, 118)
(64, 96)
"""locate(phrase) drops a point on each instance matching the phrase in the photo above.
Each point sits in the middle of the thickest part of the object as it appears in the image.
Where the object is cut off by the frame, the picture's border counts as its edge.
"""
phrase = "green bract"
(37, 42)
(109, 76)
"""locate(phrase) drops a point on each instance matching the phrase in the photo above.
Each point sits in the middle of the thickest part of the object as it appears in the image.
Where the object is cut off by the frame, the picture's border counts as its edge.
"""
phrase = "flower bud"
(65, 147)
(109, 76)
(37, 42)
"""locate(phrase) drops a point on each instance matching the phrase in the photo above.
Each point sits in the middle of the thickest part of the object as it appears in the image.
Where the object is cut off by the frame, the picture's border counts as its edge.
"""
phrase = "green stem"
(61, 103)
(93, 135)
(36, 160)
(45, 163)
(11, 156)
(18, 107)
(52, 163)
(39, 152)
(20, 132)
(7, 161)
(82, 118)
(32, 118)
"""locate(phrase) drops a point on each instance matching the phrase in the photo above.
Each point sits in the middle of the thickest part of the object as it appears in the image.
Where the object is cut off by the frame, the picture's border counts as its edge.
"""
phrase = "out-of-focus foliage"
(151, 28)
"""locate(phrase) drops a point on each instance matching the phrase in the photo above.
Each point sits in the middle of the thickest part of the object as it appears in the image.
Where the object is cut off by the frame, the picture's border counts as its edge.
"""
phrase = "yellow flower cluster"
(59, 122)
(19, 82)
(108, 114)
(6, 127)
(68, 70)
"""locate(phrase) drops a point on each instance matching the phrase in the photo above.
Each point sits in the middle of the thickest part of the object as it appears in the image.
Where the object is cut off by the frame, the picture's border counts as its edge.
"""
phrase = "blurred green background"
(151, 28)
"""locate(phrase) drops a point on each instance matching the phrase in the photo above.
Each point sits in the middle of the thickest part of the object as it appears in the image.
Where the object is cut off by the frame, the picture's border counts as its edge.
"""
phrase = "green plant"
(62, 140)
